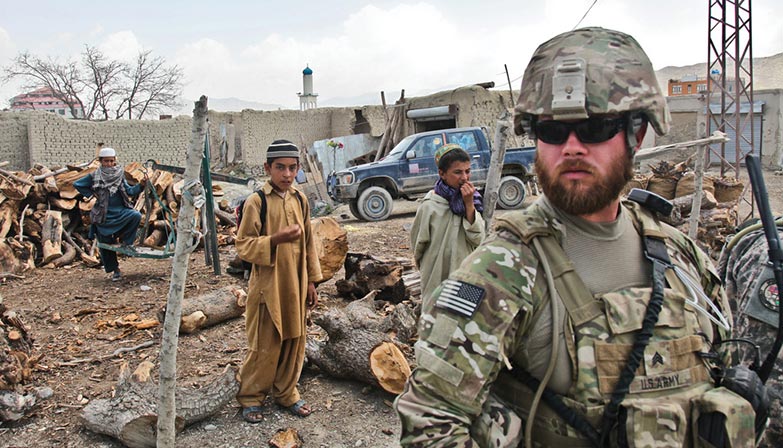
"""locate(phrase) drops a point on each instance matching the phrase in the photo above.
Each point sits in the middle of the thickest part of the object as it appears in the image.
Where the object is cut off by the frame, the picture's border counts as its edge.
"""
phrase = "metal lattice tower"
(730, 54)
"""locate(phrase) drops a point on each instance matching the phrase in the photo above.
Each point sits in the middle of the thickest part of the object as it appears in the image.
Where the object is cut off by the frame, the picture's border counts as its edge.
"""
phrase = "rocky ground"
(71, 311)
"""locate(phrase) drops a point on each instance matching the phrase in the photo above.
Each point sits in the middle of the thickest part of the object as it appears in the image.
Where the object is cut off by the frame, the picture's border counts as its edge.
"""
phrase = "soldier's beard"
(584, 196)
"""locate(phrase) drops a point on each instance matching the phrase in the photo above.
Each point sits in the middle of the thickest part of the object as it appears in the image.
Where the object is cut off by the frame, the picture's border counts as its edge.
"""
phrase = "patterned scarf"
(108, 178)
(453, 195)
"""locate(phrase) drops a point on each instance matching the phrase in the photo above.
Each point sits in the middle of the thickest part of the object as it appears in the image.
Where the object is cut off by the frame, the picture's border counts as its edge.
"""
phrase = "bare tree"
(151, 86)
(102, 80)
(63, 79)
(98, 87)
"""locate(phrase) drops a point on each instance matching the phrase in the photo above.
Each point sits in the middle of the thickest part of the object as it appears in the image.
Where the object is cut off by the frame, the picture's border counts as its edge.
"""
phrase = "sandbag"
(687, 185)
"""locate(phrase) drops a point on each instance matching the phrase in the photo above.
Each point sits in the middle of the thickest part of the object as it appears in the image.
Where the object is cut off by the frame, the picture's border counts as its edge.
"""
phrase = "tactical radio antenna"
(775, 254)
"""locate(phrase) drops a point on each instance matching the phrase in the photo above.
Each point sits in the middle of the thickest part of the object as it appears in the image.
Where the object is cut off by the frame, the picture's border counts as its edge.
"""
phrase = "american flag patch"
(460, 297)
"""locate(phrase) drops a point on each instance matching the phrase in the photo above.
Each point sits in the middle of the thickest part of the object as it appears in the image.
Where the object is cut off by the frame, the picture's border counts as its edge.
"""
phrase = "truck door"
(420, 173)
(479, 160)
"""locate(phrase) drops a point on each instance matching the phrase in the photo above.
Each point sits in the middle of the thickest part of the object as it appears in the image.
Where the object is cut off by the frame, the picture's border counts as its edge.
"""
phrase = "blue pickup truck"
(409, 171)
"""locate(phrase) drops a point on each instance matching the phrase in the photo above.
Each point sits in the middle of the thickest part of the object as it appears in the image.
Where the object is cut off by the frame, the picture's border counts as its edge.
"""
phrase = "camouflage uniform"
(461, 383)
(476, 327)
(746, 274)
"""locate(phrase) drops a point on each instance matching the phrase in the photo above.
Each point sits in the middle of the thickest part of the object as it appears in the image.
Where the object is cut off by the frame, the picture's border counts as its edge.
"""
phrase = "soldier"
(749, 280)
(583, 320)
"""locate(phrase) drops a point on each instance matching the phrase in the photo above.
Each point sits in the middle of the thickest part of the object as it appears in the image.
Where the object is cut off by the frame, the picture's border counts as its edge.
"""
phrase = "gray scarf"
(106, 182)
(108, 178)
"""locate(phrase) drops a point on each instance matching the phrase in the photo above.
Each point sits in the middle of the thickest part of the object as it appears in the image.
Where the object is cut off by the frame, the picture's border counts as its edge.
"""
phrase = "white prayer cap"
(107, 152)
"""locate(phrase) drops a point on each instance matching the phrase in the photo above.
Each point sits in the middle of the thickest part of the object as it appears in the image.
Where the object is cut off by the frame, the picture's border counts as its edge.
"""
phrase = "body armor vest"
(672, 384)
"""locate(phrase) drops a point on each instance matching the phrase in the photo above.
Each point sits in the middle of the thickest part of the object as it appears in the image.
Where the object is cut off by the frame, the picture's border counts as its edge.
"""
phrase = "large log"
(52, 236)
(9, 211)
(209, 309)
(66, 179)
(16, 257)
(358, 332)
(49, 184)
(131, 416)
(365, 273)
(67, 258)
(331, 243)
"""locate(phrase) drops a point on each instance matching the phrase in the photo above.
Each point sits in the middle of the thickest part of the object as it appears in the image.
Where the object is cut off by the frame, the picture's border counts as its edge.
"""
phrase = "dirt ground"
(68, 310)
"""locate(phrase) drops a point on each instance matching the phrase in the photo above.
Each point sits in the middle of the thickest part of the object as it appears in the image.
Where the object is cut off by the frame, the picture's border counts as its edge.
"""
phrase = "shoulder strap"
(263, 205)
(577, 299)
(262, 196)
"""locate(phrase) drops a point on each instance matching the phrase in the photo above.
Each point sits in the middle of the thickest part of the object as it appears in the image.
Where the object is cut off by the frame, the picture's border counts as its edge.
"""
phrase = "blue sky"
(256, 50)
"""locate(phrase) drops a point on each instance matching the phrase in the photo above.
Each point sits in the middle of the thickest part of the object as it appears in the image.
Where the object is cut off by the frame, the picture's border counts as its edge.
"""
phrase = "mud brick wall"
(13, 140)
(56, 141)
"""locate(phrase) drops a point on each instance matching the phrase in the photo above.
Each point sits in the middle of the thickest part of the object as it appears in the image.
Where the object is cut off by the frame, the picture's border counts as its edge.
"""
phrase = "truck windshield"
(399, 150)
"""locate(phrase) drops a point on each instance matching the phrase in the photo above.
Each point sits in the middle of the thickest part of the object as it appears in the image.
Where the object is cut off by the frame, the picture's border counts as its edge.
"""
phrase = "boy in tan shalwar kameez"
(282, 283)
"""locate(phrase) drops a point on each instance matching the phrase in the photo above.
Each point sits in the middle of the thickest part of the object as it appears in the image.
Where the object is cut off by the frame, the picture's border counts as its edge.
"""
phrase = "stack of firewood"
(45, 222)
(719, 203)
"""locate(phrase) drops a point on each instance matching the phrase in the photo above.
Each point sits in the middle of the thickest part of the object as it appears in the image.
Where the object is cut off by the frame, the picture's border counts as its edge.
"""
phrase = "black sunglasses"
(592, 130)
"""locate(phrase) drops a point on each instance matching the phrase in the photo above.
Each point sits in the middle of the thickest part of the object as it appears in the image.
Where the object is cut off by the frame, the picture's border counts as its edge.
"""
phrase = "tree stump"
(364, 344)
(331, 243)
(365, 273)
(131, 415)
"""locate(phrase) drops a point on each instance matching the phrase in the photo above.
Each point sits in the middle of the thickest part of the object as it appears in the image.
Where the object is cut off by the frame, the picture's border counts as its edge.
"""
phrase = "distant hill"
(225, 105)
(767, 72)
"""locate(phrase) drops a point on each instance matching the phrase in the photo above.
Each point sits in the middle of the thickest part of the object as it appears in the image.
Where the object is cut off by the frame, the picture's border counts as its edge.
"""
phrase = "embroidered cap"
(440, 152)
(107, 152)
(282, 148)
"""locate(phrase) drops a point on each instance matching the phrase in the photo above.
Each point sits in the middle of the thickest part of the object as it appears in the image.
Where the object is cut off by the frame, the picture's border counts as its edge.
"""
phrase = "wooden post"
(495, 169)
(192, 191)
(698, 193)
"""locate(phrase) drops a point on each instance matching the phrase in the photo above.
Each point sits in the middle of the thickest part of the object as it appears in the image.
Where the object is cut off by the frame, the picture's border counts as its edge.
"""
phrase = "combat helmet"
(590, 71)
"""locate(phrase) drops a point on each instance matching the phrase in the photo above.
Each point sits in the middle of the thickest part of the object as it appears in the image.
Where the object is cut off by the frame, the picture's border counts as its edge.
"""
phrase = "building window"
(676, 89)
(61, 111)
(701, 87)
(689, 88)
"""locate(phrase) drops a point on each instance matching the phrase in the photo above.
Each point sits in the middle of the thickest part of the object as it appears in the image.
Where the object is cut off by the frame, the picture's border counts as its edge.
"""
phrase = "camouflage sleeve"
(467, 330)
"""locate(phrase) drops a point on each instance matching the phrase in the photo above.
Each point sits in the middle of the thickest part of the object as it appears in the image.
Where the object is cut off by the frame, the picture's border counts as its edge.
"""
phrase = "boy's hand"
(467, 189)
(287, 234)
(312, 296)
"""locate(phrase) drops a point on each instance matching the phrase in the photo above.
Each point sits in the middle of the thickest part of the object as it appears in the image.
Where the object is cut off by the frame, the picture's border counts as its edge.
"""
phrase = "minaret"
(307, 99)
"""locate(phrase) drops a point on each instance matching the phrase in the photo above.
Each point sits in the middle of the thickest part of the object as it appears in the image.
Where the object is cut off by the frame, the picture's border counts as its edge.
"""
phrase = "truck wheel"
(354, 207)
(511, 193)
(375, 204)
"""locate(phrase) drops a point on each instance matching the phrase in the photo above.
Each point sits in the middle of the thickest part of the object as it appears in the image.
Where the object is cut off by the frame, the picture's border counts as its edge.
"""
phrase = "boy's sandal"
(300, 409)
(252, 414)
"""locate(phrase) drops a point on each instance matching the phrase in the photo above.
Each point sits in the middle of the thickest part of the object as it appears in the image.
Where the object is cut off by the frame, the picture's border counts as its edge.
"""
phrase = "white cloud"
(122, 45)
(7, 52)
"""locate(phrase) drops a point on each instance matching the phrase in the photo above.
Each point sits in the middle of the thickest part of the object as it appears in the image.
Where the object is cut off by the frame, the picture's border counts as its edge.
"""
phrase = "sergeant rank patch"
(460, 297)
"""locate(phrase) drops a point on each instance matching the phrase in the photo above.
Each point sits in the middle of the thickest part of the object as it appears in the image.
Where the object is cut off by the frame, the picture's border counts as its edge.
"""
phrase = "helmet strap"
(635, 122)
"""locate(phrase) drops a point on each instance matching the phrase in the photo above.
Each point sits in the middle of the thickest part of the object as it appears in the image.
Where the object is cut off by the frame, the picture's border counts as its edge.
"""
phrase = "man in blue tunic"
(113, 217)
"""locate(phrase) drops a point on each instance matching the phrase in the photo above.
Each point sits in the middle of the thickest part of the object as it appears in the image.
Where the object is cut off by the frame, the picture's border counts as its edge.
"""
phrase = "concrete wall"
(688, 117)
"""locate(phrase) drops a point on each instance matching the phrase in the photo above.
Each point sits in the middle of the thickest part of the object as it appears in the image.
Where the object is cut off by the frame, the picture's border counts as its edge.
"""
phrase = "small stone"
(210, 427)
(358, 443)
(145, 288)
